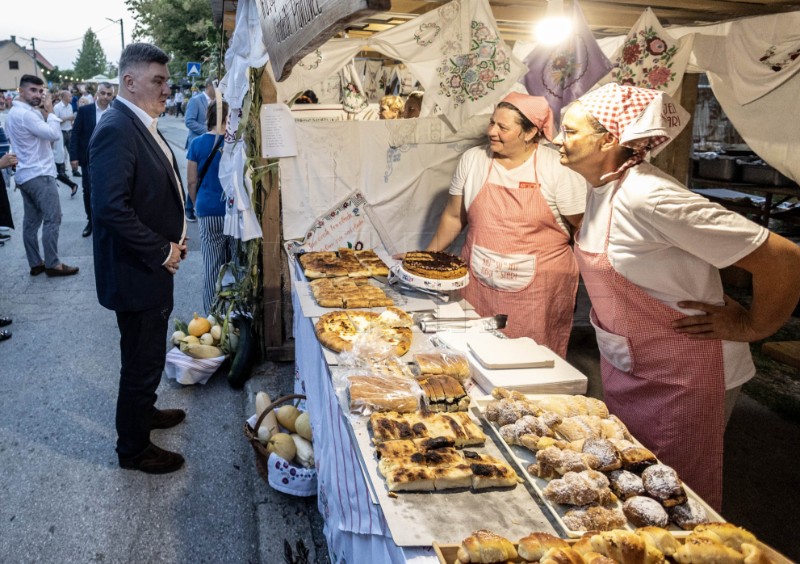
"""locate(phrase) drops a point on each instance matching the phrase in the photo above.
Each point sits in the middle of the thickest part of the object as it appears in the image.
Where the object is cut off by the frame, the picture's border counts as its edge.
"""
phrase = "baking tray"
(521, 457)
(447, 553)
(405, 300)
(419, 518)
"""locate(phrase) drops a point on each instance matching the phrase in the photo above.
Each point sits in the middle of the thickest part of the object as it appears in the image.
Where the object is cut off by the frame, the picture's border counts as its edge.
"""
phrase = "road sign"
(193, 69)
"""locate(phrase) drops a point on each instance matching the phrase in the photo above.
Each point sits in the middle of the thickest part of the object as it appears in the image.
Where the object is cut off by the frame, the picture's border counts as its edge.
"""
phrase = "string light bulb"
(555, 27)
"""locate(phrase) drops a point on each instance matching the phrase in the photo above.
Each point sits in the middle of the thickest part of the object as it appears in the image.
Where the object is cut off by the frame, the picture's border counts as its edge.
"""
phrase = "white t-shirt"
(563, 190)
(64, 112)
(671, 242)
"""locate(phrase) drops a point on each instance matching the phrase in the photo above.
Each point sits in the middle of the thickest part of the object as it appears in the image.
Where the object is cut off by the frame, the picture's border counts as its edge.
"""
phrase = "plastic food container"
(754, 173)
(721, 168)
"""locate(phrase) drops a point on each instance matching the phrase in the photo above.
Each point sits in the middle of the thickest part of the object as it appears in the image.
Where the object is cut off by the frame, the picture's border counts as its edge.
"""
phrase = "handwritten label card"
(278, 137)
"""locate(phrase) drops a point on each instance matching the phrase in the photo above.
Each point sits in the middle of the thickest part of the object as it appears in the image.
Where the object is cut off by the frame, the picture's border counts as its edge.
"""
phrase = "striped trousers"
(217, 249)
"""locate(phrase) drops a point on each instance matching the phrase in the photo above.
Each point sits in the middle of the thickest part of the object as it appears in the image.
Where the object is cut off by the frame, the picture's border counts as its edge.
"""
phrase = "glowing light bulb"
(552, 30)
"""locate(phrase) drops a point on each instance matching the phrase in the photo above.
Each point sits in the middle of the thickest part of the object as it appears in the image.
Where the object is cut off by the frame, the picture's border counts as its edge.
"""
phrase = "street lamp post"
(121, 31)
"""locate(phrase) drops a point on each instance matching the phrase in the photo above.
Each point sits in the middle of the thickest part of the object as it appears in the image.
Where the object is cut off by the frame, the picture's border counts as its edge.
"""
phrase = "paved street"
(63, 498)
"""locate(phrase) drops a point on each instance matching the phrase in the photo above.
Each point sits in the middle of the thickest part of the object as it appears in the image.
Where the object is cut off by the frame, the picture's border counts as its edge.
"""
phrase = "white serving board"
(419, 518)
(523, 457)
(495, 353)
(562, 378)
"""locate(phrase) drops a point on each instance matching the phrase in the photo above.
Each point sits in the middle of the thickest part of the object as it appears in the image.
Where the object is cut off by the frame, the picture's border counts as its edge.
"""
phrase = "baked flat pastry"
(345, 262)
(457, 427)
(444, 393)
(400, 448)
(337, 330)
(435, 265)
(436, 458)
(345, 292)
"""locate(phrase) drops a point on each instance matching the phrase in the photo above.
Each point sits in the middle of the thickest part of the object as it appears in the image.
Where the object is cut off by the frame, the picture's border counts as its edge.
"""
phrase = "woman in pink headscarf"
(674, 350)
(520, 205)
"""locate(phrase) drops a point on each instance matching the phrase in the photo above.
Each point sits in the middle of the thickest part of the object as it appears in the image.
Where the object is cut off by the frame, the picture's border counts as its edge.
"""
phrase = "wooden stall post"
(274, 303)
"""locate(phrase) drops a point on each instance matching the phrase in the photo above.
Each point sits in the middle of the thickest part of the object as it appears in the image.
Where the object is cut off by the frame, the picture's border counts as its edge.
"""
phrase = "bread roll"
(561, 556)
(625, 484)
(754, 555)
(661, 482)
(688, 515)
(535, 545)
(645, 512)
(626, 547)
(725, 533)
(486, 547)
(699, 550)
(660, 538)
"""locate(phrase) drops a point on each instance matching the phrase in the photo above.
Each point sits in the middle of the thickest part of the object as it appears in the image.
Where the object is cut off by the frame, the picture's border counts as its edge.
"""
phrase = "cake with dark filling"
(434, 264)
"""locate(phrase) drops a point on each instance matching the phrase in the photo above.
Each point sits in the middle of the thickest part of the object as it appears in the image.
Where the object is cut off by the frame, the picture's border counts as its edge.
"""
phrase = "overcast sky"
(58, 26)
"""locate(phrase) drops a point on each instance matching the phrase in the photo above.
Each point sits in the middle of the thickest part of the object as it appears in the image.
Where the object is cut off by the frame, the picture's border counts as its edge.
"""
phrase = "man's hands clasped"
(177, 253)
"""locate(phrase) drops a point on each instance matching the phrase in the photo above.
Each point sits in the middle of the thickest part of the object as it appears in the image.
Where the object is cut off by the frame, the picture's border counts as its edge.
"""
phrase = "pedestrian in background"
(31, 136)
(178, 103)
(205, 189)
(195, 120)
(63, 109)
(85, 123)
(139, 235)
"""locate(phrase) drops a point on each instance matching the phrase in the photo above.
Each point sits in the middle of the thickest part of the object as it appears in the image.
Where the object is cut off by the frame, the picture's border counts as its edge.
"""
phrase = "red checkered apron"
(521, 263)
(671, 394)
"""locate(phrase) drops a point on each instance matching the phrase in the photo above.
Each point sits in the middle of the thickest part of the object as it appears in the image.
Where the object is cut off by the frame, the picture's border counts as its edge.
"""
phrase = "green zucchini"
(242, 365)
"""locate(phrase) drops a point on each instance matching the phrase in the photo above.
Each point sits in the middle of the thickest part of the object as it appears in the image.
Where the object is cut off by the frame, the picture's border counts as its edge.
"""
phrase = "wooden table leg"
(767, 211)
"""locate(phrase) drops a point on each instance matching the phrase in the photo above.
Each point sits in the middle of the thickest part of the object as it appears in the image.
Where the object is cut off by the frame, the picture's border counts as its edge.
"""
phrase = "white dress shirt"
(98, 113)
(64, 112)
(32, 139)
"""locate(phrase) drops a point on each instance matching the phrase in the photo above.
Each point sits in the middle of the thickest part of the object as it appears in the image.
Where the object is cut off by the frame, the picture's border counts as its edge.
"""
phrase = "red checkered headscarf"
(536, 109)
(642, 119)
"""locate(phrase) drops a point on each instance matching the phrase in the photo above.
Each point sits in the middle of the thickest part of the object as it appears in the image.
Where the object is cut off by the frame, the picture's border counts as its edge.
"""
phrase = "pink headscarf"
(536, 109)
(641, 119)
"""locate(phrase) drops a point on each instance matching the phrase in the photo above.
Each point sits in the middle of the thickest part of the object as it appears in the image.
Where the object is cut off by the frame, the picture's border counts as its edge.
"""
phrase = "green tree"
(91, 57)
(184, 29)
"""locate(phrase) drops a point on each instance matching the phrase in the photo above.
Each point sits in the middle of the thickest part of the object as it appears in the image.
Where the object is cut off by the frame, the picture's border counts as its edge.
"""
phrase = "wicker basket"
(251, 433)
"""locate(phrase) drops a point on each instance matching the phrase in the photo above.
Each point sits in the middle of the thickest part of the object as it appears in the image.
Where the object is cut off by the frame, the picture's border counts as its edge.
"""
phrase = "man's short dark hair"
(30, 79)
(107, 85)
(210, 81)
(137, 54)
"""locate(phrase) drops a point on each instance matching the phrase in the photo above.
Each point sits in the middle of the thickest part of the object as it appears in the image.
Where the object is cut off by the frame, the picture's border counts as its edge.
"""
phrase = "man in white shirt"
(32, 138)
(63, 111)
(179, 104)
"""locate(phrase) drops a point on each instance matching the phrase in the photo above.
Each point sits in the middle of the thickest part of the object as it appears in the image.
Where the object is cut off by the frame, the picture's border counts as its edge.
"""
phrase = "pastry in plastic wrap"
(447, 363)
(371, 393)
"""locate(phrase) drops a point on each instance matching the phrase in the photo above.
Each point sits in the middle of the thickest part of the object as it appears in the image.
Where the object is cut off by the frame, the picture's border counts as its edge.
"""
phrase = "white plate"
(523, 457)
(429, 283)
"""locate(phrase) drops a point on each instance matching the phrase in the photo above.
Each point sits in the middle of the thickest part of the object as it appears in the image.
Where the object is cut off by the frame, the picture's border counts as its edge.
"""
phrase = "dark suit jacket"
(82, 129)
(135, 216)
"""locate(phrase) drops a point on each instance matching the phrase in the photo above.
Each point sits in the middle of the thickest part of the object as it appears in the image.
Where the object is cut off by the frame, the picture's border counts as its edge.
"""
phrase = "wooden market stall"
(388, 175)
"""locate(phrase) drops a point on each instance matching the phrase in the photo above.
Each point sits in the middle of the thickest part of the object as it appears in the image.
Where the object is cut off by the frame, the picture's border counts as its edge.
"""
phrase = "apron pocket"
(502, 272)
(616, 349)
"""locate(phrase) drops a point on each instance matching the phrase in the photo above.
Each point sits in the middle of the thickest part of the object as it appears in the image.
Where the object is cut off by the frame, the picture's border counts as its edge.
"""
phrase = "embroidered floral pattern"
(317, 54)
(646, 60)
(471, 76)
(780, 62)
(565, 68)
(422, 29)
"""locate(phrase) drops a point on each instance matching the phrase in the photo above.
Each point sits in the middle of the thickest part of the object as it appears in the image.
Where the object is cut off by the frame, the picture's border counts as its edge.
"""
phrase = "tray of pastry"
(439, 476)
(587, 468)
(713, 542)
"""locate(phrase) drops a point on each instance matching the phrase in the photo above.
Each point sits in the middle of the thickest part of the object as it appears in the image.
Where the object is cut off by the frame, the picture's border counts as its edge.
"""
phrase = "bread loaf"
(370, 393)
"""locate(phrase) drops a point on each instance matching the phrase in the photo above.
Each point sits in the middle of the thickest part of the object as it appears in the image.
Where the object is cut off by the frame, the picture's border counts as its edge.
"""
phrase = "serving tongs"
(395, 280)
(434, 325)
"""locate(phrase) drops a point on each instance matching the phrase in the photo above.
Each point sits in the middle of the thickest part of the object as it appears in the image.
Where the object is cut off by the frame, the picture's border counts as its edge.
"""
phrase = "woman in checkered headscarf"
(674, 348)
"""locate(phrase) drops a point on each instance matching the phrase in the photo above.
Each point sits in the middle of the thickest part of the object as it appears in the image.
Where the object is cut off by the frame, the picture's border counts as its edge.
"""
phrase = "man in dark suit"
(85, 122)
(139, 234)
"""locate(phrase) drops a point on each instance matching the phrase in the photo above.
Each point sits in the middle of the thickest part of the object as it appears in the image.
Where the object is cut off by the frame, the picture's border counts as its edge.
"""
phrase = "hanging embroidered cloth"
(463, 66)
(651, 58)
(761, 54)
(562, 73)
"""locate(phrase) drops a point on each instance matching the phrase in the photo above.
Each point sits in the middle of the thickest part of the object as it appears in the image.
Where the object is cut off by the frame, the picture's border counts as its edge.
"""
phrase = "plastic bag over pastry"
(368, 387)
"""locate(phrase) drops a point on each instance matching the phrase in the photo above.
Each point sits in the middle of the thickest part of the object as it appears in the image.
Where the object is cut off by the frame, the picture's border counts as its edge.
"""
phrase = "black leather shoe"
(87, 230)
(63, 271)
(166, 418)
(153, 460)
(37, 270)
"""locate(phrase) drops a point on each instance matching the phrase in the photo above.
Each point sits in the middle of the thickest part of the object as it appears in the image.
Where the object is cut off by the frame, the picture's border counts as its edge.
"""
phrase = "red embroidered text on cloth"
(561, 73)
(651, 57)
(640, 118)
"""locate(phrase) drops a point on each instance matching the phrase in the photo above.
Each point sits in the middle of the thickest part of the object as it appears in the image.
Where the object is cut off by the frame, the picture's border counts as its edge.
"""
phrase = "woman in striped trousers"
(206, 192)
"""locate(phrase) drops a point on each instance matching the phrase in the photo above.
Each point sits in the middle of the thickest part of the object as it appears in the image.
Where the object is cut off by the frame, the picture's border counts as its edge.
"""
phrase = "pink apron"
(520, 263)
(667, 388)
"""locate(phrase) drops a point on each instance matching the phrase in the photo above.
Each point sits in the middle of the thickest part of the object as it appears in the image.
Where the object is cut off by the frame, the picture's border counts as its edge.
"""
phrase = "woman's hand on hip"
(728, 322)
